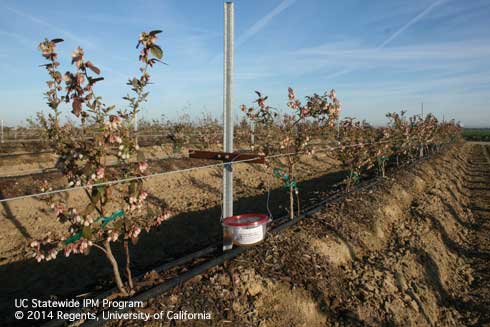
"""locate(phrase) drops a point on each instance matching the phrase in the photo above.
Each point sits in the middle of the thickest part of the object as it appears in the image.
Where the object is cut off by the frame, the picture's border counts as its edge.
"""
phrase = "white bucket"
(247, 229)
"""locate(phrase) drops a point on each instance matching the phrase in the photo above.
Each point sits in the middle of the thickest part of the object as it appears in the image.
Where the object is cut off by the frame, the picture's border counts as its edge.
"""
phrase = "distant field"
(475, 134)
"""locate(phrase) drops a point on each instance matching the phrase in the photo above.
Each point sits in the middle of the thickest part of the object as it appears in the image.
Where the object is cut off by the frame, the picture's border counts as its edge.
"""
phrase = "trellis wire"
(137, 178)
(21, 173)
(164, 134)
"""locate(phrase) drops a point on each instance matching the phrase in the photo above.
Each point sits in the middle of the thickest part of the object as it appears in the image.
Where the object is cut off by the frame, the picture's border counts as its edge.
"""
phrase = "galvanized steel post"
(228, 107)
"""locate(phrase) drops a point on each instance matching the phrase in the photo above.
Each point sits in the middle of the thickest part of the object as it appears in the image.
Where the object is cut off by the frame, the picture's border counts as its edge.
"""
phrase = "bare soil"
(193, 197)
(412, 251)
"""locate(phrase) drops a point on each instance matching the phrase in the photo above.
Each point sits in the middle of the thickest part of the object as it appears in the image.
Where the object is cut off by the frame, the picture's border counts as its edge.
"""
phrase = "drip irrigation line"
(228, 255)
(284, 223)
(164, 134)
(18, 154)
(23, 173)
(180, 171)
(164, 267)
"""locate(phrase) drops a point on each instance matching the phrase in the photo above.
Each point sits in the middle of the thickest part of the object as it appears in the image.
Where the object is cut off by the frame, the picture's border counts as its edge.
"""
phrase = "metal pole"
(1, 134)
(228, 109)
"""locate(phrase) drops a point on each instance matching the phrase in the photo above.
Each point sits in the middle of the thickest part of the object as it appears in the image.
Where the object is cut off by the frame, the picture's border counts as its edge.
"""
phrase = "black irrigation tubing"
(31, 172)
(135, 178)
(228, 255)
(26, 173)
(164, 267)
(167, 266)
(18, 154)
(164, 135)
(113, 163)
(284, 221)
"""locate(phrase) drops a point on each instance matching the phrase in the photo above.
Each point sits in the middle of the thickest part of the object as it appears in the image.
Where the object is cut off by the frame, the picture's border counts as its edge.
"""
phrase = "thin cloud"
(64, 33)
(395, 35)
(462, 50)
(456, 82)
(410, 23)
(339, 58)
(19, 38)
(42, 22)
(261, 23)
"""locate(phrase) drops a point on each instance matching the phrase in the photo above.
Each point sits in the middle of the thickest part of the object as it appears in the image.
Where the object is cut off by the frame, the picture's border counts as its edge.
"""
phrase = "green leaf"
(77, 107)
(57, 40)
(154, 60)
(118, 225)
(132, 188)
(100, 190)
(87, 232)
(155, 32)
(91, 66)
(135, 82)
(92, 81)
(75, 237)
(157, 51)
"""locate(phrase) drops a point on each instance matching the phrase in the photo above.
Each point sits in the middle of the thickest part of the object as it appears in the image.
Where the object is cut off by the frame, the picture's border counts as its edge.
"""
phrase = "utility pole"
(228, 108)
(422, 109)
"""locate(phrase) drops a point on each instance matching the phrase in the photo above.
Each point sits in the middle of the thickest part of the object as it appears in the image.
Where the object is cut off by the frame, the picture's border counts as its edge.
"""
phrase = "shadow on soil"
(433, 276)
(10, 216)
(183, 234)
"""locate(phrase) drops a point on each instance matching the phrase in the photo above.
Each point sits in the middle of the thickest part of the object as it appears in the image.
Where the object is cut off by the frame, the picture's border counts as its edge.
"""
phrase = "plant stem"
(100, 248)
(128, 264)
(115, 268)
(94, 203)
(297, 201)
(291, 189)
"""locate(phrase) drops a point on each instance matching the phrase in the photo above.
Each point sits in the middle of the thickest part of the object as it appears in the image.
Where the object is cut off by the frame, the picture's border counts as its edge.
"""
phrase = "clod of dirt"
(332, 248)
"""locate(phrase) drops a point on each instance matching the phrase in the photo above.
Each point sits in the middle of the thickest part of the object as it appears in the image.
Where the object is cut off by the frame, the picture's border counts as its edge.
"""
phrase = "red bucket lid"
(248, 219)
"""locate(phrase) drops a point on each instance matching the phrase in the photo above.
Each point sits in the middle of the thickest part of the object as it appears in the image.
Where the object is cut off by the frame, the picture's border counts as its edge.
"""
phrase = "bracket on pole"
(227, 156)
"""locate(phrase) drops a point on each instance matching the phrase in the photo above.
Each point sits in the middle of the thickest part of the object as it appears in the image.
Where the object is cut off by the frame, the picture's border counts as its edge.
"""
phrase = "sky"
(379, 55)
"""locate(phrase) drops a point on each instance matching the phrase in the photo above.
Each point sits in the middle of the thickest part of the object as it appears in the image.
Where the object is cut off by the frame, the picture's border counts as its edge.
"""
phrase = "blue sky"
(380, 55)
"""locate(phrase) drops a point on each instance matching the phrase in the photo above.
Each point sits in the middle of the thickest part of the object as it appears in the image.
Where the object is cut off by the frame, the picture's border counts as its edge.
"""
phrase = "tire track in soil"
(478, 308)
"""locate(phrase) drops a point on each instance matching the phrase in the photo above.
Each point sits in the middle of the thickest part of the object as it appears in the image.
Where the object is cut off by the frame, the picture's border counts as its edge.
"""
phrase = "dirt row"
(194, 199)
(413, 251)
(195, 191)
(25, 163)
